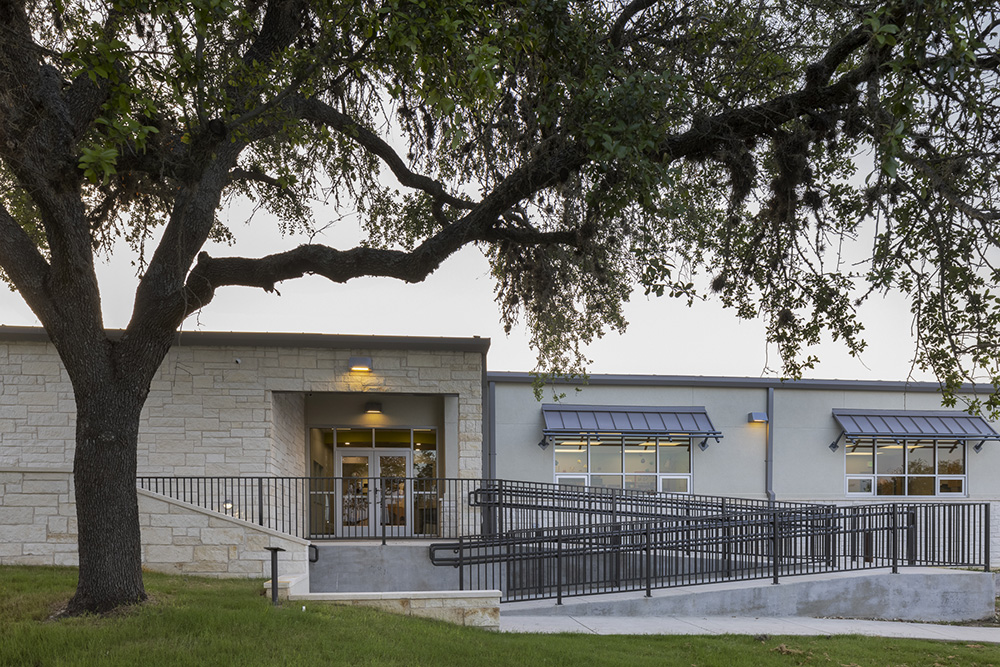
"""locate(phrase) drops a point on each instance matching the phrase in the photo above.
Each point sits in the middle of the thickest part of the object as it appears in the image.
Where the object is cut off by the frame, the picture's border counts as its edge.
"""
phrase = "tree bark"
(104, 472)
(111, 380)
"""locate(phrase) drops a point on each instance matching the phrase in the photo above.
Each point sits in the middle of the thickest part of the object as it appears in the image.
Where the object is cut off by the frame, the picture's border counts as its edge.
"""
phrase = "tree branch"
(24, 265)
(761, 119)
(342, 265)
(481, 224)
(316, 111)
(630, 10)
(282, 22)
(257, 175)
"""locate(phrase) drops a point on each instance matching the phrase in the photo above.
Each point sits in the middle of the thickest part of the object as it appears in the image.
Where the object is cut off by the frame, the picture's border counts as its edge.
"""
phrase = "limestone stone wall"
(38, 527)
(226, 410)
(182, 539)
(213, 410)
(37, 423)
(37, 517)
(288, 451)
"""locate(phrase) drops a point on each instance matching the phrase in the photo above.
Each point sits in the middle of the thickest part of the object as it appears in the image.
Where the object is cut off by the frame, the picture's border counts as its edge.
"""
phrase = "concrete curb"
(743, 625)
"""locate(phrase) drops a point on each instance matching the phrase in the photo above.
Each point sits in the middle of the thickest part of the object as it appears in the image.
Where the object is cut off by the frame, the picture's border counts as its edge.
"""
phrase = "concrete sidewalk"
(737, 625)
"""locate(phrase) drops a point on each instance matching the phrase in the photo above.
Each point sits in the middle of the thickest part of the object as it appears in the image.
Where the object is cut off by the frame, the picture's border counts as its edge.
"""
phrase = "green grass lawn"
(193, 621)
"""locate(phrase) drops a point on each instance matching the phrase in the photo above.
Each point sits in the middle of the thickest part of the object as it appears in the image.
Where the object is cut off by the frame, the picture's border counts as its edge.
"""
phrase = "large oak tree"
(585, 145)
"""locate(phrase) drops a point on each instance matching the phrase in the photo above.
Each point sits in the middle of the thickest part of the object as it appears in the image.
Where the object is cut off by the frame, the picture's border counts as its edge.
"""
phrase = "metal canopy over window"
(913, 424)
(690, 421)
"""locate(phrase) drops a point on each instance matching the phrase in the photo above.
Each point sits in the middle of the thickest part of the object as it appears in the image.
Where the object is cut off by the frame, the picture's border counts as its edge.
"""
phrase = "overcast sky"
(664, 337)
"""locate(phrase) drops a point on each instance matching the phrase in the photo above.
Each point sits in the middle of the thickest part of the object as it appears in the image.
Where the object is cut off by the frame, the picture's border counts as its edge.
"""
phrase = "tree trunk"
(104, 471)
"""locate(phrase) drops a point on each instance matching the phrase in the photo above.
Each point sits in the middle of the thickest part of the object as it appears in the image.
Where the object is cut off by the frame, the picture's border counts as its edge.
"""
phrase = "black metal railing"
(552, 540)
(517, 505)
(408, 507)
(335, 507)
(558, 561)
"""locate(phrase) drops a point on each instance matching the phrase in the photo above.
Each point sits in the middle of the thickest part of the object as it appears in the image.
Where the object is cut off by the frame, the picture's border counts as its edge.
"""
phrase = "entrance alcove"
(375, 459)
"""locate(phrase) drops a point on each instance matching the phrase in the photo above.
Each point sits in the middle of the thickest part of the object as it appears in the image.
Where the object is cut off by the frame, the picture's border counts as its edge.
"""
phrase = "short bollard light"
(274, 574)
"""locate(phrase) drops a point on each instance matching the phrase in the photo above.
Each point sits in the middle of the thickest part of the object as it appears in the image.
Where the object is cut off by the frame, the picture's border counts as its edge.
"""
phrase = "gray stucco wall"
(732, 467)
(806, 469)
(802, 424)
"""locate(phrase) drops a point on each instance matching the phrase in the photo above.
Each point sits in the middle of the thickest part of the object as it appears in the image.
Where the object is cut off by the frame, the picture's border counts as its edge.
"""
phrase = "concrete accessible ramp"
(759, 627)
(915, 594)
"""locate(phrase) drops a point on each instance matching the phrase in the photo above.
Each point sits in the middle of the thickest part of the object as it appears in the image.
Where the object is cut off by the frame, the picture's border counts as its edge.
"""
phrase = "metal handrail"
(556, 561)
(532, 539)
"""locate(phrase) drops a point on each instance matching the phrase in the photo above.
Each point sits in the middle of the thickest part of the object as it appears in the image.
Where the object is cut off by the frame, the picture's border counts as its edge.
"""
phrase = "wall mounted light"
(373, 408)
(227, 505)
(757, 417)
(360, 364)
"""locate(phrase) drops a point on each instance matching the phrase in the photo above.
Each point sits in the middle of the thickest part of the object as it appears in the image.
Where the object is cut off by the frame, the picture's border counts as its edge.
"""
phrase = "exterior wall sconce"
(373, 408)
(227, 504)
(757, 417)
(360, 364)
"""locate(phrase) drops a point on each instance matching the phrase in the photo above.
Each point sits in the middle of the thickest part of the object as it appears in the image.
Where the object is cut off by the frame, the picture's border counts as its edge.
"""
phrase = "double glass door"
(374, 494)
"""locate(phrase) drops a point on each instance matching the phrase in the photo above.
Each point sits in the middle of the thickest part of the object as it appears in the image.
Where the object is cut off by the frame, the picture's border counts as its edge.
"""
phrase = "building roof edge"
(520, 377)
(269, 339)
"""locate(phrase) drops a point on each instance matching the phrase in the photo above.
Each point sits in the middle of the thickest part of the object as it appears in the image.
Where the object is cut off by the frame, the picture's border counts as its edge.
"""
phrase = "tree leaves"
(792, 157)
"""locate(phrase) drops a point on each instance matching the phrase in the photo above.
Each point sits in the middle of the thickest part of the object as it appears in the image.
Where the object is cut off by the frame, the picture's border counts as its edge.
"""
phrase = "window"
(883, 467)
(642, 463)
(423, 442)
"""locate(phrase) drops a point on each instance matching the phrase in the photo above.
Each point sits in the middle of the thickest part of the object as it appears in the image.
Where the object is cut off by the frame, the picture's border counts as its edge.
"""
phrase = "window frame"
(564, 477)
(905, 474)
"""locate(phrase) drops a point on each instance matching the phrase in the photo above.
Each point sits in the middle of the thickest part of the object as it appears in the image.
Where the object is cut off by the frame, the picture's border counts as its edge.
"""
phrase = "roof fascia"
(265, 339)
(517, 377)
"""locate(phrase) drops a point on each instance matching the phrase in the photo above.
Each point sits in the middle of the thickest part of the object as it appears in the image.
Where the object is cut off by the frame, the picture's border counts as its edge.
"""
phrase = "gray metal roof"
(626, 419)
(927, 424)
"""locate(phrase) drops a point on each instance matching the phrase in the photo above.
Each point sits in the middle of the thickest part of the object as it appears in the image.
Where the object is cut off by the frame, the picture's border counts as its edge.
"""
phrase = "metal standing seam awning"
(912, 425)
(587, 419)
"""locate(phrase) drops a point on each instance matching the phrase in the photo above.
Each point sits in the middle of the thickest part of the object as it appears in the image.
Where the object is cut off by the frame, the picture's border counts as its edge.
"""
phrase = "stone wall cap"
(397, 595)
(278, 339)
(223, 517)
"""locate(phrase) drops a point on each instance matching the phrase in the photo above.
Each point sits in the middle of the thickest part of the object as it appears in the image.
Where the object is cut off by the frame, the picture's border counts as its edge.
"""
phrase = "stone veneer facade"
(38, 527)
(220, 405)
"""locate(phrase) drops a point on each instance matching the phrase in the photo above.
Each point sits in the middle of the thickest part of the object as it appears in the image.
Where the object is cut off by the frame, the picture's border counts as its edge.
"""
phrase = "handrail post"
(986, 538)
(260, 501)
(559, 569)
(382, 517)
(461, 569)
(500, 521)
(274, 574)
(895, 540)
(775, 546)
(726, 535)
(649, 563)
